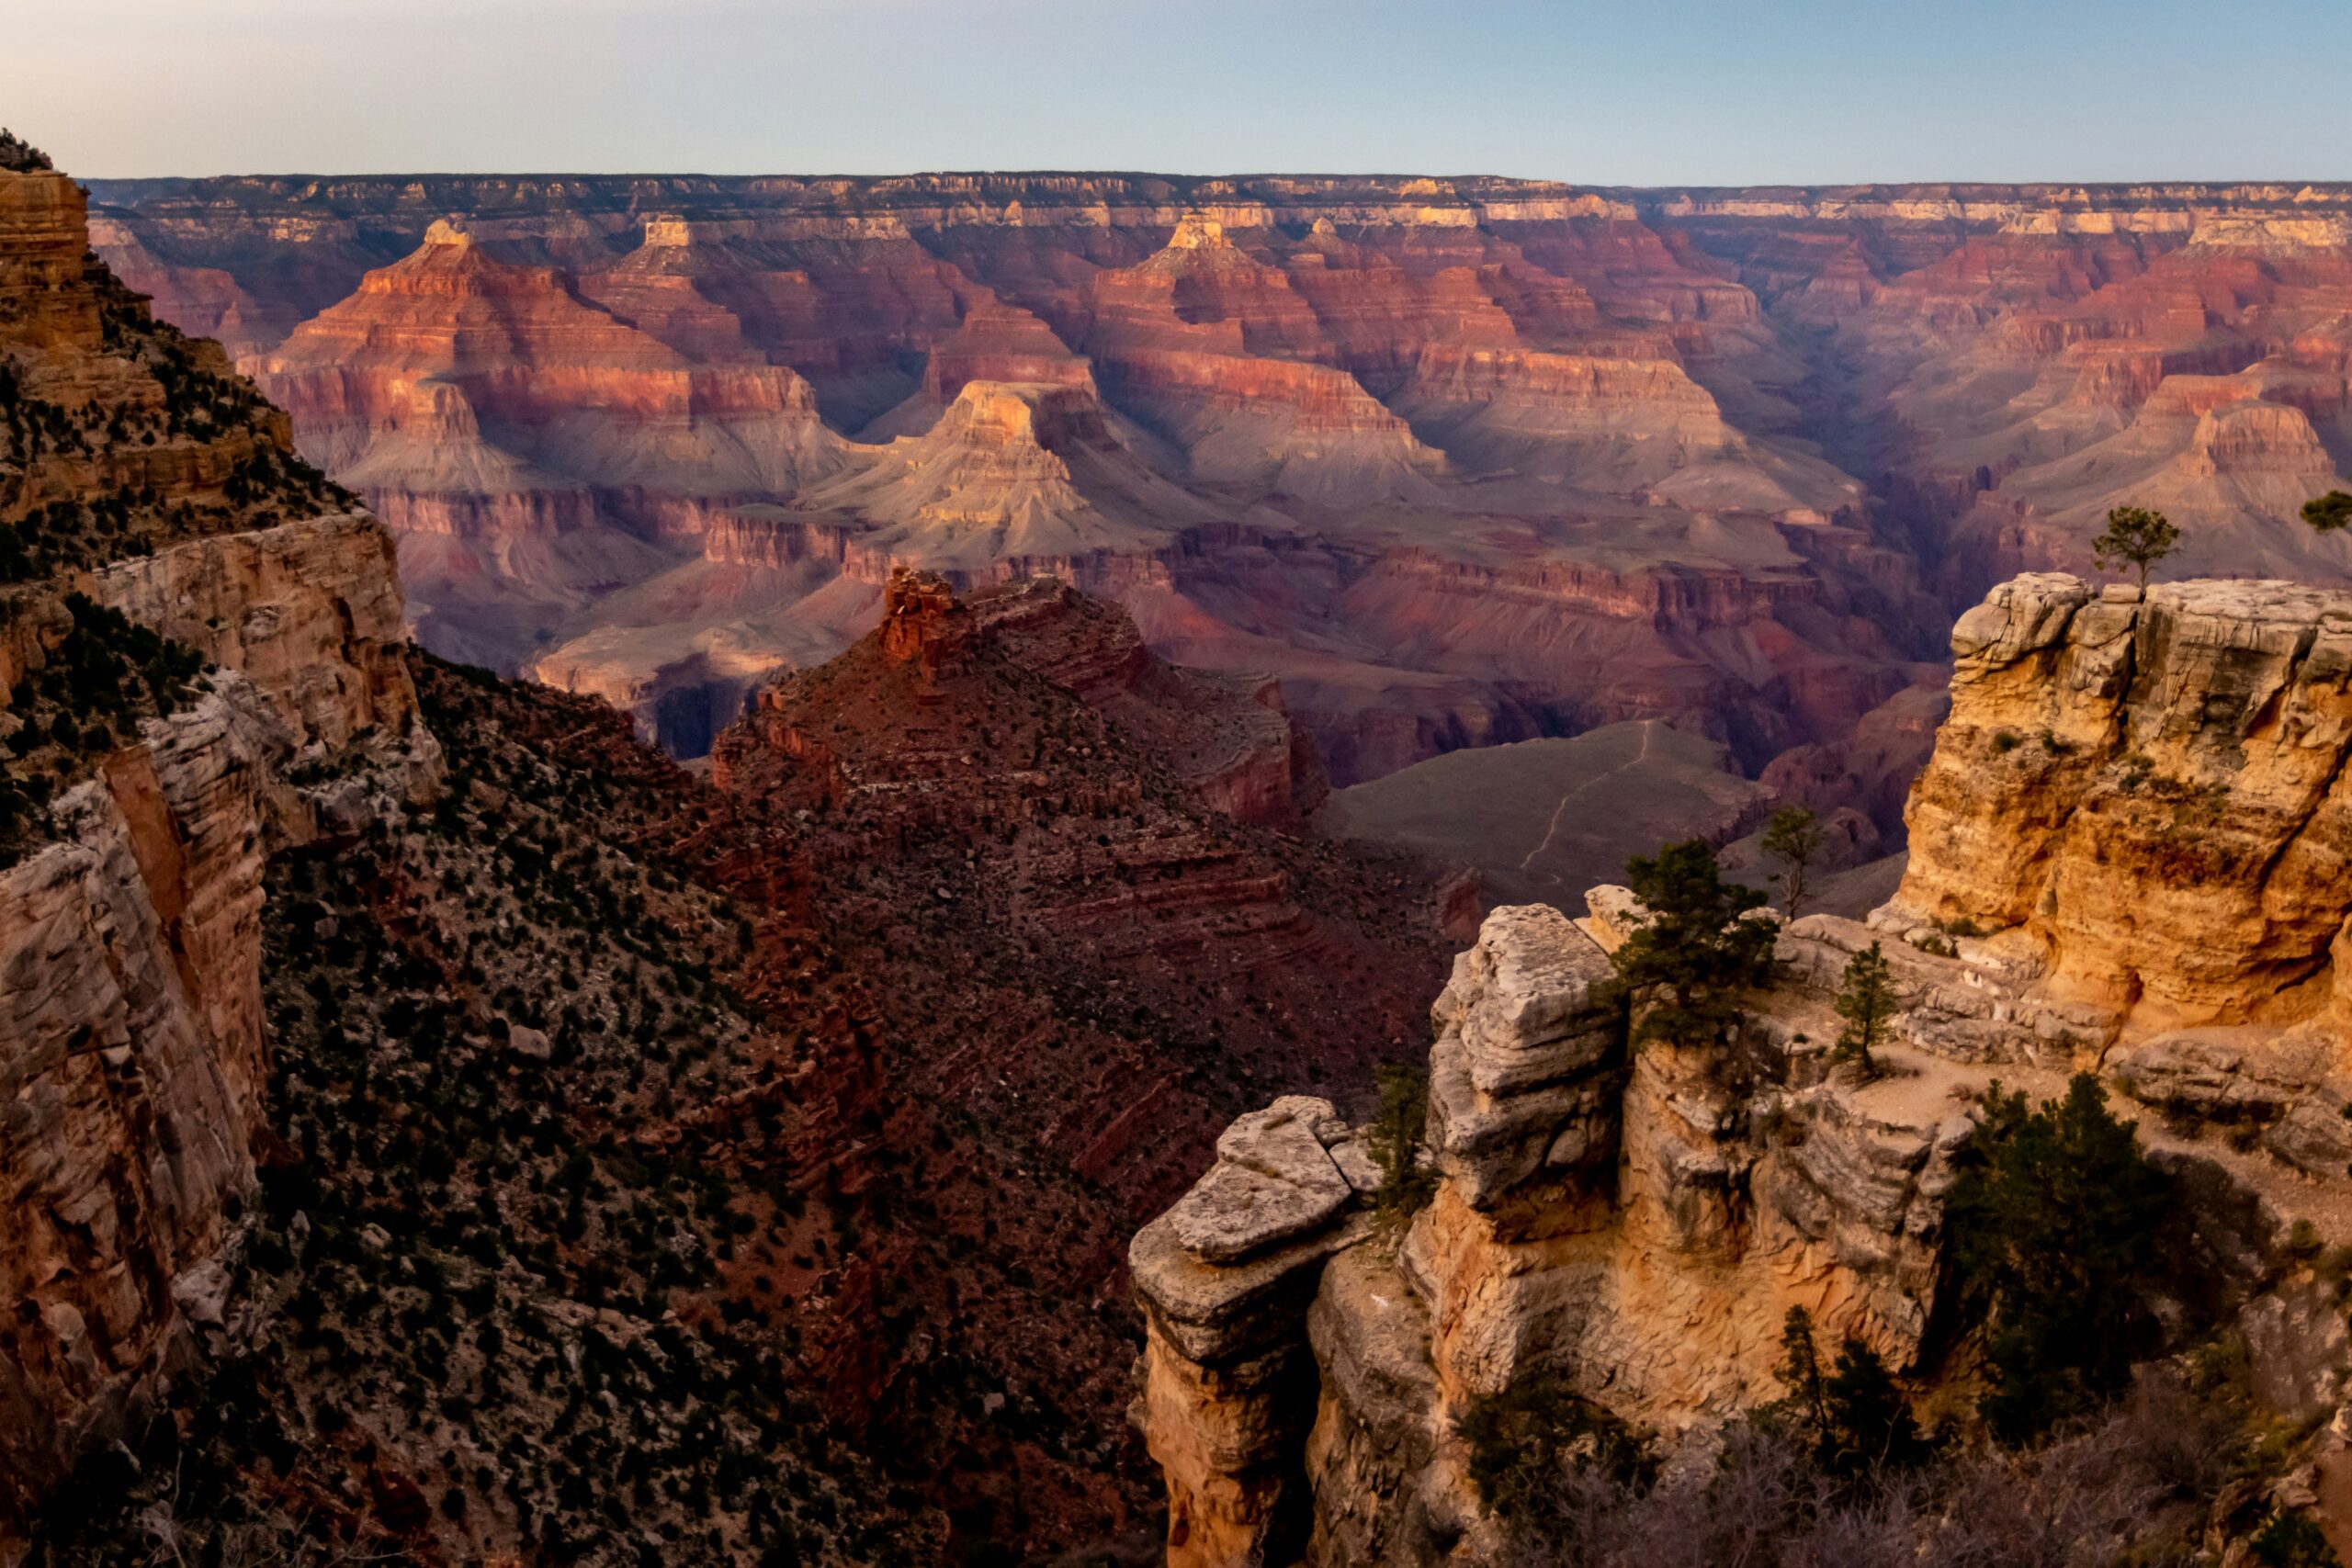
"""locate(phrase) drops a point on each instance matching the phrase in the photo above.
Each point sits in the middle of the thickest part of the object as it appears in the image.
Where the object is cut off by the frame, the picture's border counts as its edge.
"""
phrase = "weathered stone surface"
(1522, 1070)
(1235, 1211)
(130, 1070)
(1642, 1233)
(1273, 1183)
(309, 612)
(1374, 1436)
(2150, 791)
(2298, 1347)
(2224, 1073)
(1228, 1386)
(2313, 1135)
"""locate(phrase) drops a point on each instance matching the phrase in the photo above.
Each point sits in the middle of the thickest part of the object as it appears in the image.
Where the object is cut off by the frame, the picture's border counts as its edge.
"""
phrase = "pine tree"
(1853, 1422)
(1871, 1425)
(1865, 1001)
(1405, 1184)
(1805, 1406)
(2055, 1224)
(1697, 947)
(2135, 537)
(2330, 512)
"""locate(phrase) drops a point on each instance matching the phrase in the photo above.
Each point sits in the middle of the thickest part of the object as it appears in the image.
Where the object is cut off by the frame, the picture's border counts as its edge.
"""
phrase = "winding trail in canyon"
(1551, 828)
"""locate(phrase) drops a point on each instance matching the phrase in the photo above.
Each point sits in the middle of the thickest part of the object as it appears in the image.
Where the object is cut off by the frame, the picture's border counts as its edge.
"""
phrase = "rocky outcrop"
(2145, 795)
(309, 612)
(130, 1054)
(130, 1042)
(1638, 1226)
(43, 231)
(1225, 1278)
(473, 399)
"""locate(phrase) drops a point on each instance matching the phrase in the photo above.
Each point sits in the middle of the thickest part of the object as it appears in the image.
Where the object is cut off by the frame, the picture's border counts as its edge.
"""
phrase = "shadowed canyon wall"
(138, 479)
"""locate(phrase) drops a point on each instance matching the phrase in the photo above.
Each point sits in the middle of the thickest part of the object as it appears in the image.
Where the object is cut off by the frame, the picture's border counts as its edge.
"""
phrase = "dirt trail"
(1551, 828)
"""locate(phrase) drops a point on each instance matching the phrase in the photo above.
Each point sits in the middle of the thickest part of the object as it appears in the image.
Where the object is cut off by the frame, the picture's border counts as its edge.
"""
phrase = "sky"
(1667, 91)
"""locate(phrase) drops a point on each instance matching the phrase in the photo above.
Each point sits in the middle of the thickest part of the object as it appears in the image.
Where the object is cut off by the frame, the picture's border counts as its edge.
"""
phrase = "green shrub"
(1405, 1183)
(2054, 1221)
(1696, 948)
(2292, 1540)
(1854, 1419)
(1524, 1441)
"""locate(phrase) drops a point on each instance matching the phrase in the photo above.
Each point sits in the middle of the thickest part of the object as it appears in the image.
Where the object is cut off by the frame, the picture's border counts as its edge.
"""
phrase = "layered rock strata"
(2145, 795)
(1637, 1227)
(147, 482)
(130, 1041)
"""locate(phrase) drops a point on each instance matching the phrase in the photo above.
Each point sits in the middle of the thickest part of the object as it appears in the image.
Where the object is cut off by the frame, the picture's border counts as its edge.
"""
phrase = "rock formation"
(2143, 796)
(1639, 1227)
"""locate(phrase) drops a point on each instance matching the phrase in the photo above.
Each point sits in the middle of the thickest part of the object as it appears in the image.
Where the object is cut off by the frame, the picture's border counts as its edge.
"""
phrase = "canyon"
(939, 1124)
(1460, 461)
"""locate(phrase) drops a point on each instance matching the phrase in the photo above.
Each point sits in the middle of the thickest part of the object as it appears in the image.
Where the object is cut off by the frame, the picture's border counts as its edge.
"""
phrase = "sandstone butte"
(2126, 854)
(1460, 461)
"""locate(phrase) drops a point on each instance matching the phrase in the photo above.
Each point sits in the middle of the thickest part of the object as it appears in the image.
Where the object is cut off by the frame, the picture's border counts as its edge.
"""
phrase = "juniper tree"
(2136, 537)
(2330, 512)
(1698, 945)
(1865, 1001)
(2055, 1222)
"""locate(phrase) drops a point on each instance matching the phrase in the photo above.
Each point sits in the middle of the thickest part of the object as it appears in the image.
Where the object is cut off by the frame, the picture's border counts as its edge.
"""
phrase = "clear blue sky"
(1667, 91)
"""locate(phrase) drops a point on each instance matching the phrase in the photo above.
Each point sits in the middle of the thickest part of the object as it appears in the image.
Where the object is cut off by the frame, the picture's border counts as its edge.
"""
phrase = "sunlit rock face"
(1637, 1225)
(2147, 793)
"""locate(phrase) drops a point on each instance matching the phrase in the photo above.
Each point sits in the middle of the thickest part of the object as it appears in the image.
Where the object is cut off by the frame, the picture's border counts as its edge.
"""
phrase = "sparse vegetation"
(1407, 1183)
(1523, 1438)
(2054, 1226)
(86, 697)
(2133, 1482)
(1793, 838)
(1853, 1418)
(2329, 514)
(106, 505)
(20, 156)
